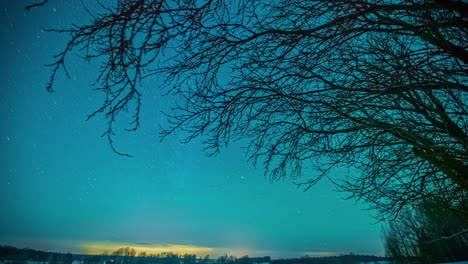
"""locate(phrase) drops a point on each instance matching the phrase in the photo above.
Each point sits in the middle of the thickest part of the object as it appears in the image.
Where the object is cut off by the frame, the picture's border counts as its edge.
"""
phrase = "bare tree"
(429, 235)
(380, 86)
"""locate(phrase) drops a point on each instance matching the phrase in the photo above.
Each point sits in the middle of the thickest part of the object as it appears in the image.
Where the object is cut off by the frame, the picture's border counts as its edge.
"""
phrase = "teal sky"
(62, 187)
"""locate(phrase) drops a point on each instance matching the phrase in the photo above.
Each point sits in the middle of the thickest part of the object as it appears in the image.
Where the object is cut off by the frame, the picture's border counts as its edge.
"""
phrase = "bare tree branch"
(380, 87)
(38, 4)
(464, 231)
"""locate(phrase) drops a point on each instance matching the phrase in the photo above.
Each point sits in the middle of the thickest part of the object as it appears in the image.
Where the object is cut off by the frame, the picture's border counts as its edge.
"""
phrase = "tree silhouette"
(430, 234)
(379, 86)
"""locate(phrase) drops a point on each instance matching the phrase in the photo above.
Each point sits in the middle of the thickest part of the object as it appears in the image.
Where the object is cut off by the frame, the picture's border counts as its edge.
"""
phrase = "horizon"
(154, 250)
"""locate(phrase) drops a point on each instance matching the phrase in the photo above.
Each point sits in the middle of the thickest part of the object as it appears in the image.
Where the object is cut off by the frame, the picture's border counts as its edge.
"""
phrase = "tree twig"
(29, 7)
(464, 231)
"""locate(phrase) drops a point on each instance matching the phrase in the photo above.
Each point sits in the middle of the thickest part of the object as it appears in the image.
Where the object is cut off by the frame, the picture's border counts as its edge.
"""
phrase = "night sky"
(63, 189)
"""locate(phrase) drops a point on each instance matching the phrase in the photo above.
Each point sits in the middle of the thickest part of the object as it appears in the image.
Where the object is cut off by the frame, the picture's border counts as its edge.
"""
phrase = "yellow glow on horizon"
(97, 248)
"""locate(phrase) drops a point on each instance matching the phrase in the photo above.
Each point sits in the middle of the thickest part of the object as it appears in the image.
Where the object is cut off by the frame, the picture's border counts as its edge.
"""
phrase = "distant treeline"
(15, 254)
(131, 256)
